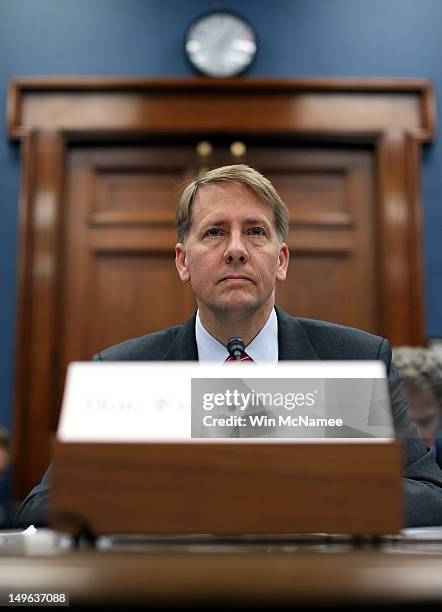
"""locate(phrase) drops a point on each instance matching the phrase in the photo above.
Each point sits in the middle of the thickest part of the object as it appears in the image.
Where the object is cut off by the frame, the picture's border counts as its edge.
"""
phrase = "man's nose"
(236, 250)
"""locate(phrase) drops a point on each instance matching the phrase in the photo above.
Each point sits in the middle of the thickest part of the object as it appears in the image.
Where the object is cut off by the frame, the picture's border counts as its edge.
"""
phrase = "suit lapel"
(293, 342)
(183, 348)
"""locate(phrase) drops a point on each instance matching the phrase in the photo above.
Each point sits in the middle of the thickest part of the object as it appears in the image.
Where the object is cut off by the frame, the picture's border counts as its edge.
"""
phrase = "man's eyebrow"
(256, 221)
(214, 222)
(223, 222)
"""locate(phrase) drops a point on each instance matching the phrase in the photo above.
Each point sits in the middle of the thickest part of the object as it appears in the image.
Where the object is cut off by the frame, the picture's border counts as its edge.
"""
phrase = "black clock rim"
(221, 11)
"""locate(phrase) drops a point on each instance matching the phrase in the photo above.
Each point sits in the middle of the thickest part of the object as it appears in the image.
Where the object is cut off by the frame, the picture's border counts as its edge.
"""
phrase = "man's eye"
(213, 232)
(257, 231)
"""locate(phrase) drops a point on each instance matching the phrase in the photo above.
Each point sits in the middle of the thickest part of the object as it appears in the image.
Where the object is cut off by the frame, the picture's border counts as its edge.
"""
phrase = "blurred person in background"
(421, 371)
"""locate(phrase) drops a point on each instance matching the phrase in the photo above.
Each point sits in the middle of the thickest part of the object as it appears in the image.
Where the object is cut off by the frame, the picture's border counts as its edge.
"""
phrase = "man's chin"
(237, 304)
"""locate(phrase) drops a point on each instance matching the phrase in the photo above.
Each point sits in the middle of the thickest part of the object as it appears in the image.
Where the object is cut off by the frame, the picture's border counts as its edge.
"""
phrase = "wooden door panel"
(119, 192)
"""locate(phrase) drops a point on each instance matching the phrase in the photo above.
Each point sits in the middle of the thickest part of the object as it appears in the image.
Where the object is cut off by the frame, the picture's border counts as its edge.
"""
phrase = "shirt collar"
(263, 348)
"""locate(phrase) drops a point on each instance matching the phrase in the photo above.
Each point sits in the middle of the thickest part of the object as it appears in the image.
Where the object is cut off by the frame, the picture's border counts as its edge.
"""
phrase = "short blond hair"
(238, 173)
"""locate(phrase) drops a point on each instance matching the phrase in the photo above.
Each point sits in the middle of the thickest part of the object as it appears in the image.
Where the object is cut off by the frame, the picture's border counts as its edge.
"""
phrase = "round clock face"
(221, 44)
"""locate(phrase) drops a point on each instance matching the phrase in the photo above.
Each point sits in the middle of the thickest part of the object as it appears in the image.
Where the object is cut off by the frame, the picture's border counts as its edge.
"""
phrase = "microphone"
(236, 347)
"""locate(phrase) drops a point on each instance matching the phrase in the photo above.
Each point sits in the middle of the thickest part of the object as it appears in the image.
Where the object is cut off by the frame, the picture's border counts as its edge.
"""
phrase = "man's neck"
(223, 326)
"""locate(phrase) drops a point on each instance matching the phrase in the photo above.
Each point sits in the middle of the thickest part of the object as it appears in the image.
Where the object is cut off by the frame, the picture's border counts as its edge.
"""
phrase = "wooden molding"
(334, 106)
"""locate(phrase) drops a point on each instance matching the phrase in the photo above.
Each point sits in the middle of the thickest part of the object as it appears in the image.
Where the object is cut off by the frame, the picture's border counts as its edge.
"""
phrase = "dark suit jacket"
(298, 339)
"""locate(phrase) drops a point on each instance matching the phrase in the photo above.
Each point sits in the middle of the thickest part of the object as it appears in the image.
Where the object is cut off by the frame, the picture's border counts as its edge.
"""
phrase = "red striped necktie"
(244, 358)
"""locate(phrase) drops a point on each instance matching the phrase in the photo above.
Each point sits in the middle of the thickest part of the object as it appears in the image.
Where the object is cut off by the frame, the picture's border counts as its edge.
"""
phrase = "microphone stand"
(236, 347)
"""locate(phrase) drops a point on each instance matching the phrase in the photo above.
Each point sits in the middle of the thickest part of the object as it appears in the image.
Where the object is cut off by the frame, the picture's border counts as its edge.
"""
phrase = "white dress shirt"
(263, 348)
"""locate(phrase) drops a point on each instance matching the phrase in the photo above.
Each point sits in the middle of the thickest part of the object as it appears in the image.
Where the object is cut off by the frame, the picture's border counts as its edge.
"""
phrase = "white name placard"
(152, 401)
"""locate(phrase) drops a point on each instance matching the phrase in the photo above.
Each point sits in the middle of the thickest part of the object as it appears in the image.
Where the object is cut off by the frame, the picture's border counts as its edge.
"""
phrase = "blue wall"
(391, 38)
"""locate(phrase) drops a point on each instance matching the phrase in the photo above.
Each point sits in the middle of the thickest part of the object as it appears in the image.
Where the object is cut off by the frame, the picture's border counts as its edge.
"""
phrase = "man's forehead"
(228, 199)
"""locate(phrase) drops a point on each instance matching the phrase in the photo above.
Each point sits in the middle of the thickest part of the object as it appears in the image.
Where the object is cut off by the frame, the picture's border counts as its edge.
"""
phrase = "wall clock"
(221, 43)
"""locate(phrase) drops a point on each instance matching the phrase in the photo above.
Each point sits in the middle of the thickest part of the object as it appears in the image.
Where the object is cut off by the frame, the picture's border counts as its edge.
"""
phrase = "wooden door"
(120, 279)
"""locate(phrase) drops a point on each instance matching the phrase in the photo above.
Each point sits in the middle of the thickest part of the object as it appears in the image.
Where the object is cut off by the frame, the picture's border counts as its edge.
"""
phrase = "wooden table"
(302, 574)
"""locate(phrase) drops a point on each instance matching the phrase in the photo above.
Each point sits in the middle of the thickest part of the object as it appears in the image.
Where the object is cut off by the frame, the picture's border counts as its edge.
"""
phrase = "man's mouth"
(236, 278)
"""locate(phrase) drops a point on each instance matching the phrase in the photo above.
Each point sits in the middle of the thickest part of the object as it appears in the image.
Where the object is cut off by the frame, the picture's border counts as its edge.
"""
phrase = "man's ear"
(283, 262)
(180, 262)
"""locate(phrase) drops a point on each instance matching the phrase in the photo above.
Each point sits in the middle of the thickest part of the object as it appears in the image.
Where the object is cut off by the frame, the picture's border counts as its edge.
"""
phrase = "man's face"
(232, 255)
(423, 409)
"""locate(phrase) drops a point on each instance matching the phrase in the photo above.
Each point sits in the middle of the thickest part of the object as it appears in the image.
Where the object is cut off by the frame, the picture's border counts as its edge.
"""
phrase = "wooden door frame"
(46, 114)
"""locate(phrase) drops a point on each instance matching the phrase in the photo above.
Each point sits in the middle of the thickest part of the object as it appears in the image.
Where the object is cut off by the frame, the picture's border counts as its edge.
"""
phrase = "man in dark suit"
(231, 229)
